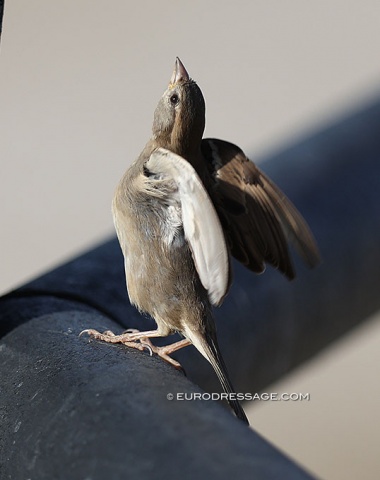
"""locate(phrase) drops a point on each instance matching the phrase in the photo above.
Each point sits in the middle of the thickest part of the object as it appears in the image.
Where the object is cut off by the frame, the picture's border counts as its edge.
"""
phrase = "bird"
(180, 211)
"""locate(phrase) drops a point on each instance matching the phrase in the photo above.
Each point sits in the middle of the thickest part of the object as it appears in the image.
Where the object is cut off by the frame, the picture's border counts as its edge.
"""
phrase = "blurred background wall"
(79, 81)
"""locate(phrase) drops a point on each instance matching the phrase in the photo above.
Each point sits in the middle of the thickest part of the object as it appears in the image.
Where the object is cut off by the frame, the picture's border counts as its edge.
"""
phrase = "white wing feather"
(201, 224)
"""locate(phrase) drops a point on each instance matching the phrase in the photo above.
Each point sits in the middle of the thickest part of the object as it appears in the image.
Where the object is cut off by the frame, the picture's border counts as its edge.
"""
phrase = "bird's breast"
(157, 257)
(148, 218)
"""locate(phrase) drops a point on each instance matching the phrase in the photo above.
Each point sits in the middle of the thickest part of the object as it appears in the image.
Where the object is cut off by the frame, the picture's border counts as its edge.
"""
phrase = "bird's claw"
(110, 337)
(131, 338)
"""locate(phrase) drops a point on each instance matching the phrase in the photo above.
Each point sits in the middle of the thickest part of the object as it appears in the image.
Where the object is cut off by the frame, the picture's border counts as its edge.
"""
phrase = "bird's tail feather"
(210, 349)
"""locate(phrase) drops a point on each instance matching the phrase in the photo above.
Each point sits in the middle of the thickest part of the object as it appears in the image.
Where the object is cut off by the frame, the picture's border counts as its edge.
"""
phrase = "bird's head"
(179, 118)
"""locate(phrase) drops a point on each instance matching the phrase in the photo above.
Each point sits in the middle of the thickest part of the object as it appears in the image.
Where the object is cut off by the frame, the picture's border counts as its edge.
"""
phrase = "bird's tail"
(209, 348)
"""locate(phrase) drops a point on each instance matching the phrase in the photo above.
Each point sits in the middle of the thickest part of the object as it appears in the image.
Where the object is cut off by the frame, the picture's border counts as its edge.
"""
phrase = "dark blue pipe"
(103, 408)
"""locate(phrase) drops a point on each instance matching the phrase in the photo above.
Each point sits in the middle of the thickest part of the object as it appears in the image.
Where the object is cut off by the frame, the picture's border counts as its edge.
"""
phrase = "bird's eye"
(174, 99)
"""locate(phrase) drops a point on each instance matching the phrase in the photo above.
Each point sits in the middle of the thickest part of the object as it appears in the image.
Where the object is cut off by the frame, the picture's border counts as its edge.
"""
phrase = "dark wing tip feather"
(266, 221)
(295, 226)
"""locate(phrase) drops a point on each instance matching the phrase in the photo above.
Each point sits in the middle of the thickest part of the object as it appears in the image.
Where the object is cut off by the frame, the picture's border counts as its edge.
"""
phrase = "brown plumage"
(258, 219)
(179, 210)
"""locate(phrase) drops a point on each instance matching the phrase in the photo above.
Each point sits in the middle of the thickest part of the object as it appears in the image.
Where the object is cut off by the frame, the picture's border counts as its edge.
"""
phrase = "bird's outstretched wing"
(201, 225)
(259, 220)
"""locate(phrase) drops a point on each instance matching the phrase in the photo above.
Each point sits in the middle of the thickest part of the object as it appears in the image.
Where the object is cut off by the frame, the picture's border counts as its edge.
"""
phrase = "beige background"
(79, 81)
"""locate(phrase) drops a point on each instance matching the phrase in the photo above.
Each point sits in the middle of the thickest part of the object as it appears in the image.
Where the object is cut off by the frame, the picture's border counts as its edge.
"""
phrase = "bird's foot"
(165, 351)
(127, 338)
(141, 340)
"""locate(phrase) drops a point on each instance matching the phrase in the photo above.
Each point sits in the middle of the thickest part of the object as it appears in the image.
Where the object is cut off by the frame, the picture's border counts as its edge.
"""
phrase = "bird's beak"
(180, 74)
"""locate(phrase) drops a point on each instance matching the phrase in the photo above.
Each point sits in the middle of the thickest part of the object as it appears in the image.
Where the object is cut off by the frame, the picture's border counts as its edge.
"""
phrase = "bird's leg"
(140, 340)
